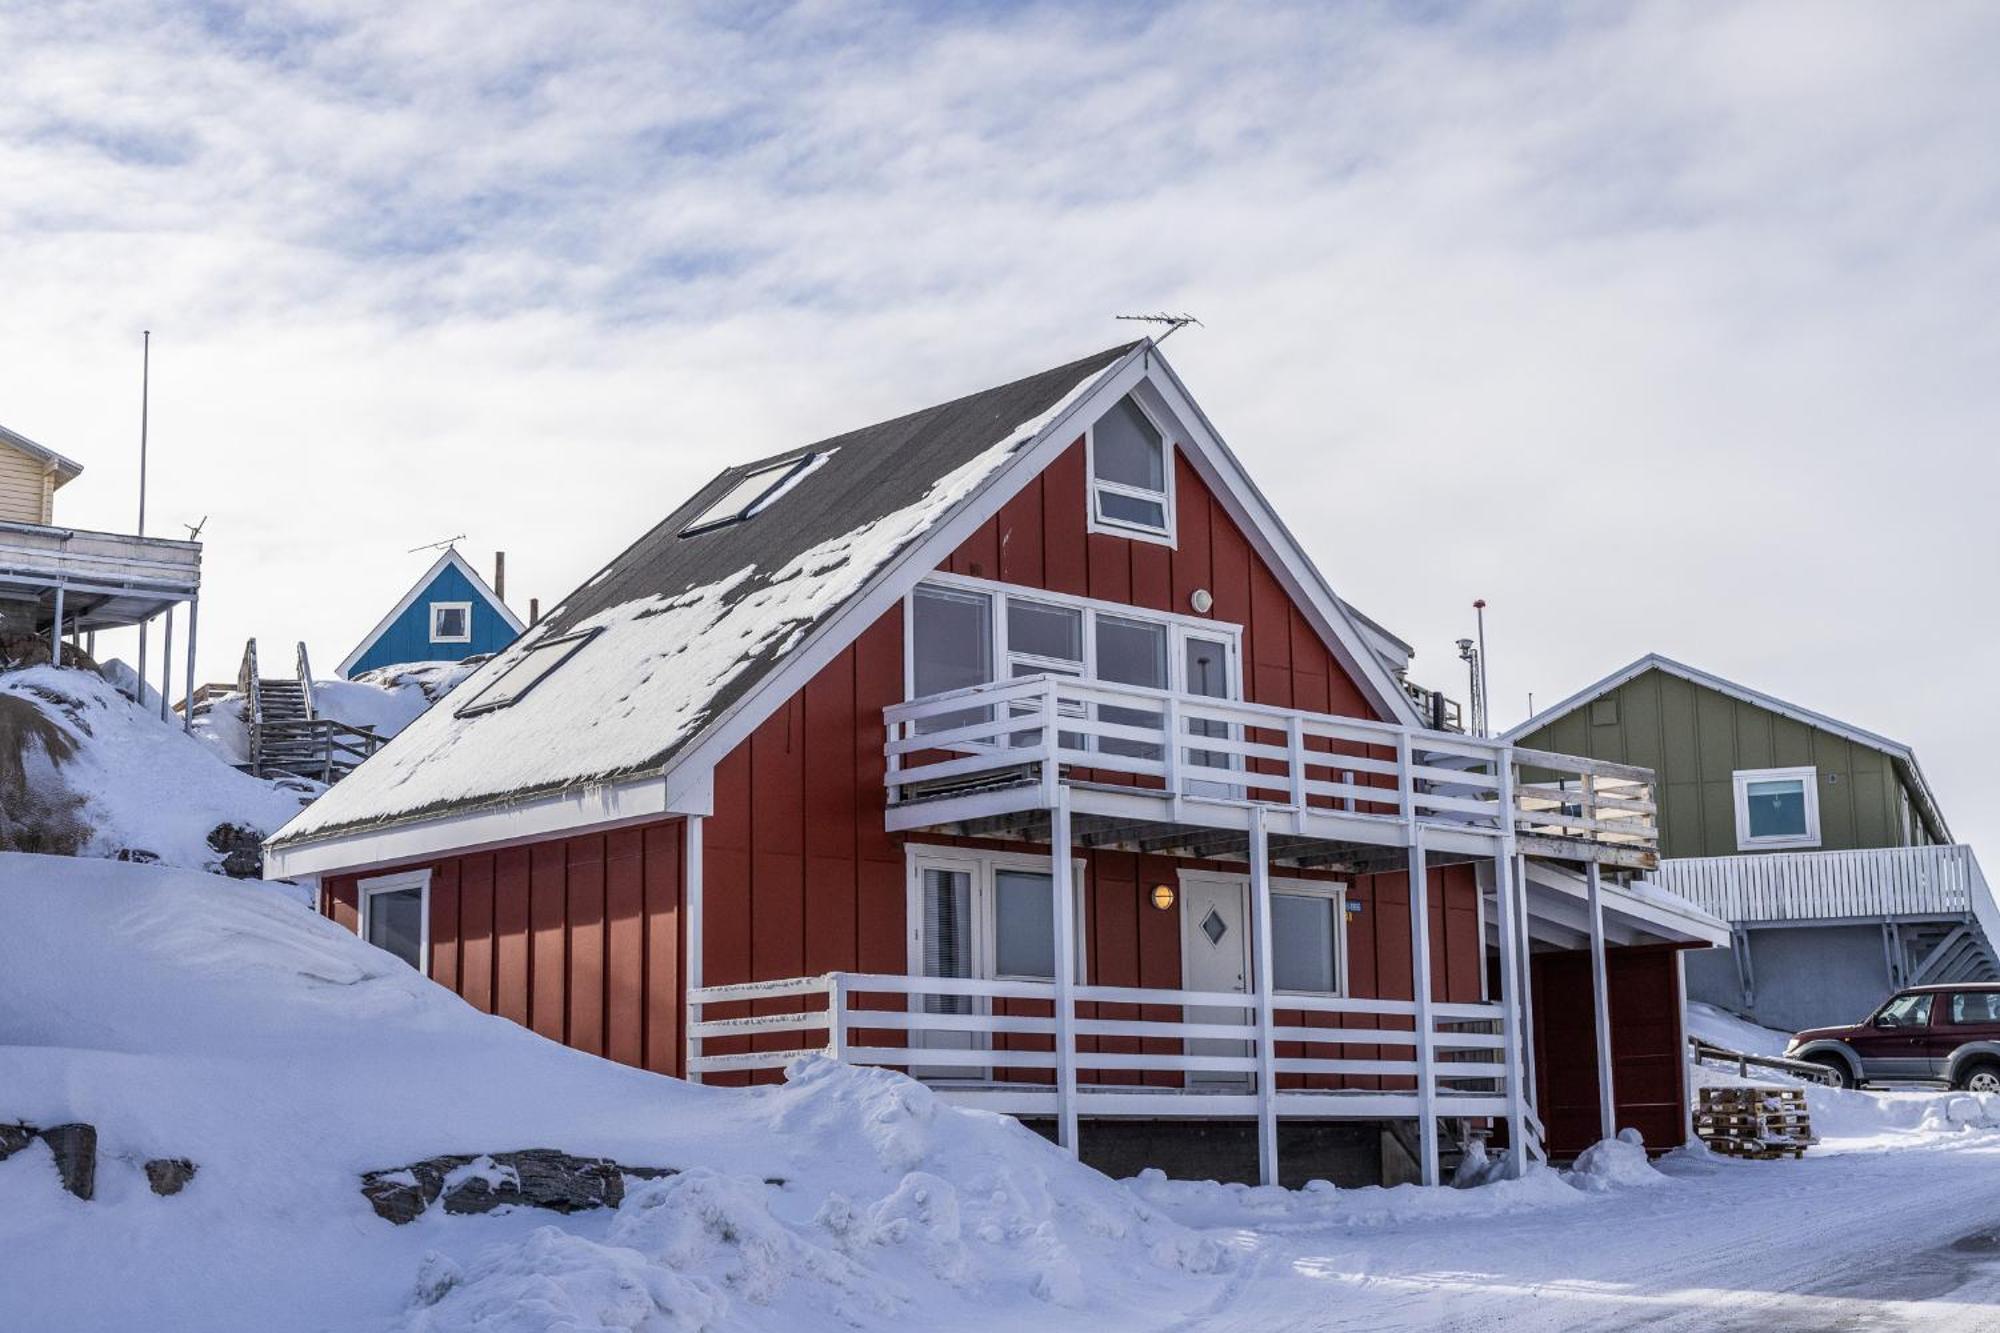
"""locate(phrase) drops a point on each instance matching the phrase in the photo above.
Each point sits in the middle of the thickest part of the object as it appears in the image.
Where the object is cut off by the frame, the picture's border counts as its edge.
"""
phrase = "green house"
(1820, 842)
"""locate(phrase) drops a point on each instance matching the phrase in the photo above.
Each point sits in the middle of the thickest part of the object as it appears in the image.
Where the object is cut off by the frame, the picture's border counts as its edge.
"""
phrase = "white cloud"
(1661, 327)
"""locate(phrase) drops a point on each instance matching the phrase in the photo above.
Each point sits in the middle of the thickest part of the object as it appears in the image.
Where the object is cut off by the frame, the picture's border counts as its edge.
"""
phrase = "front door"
(1215, 957)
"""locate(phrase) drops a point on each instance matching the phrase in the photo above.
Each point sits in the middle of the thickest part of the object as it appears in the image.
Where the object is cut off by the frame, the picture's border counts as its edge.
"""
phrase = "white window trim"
(1304, 888)
(1091, 607)
(1741, 780)
(437, 607)
(1167, 536)
(399, 882)
(981, 865)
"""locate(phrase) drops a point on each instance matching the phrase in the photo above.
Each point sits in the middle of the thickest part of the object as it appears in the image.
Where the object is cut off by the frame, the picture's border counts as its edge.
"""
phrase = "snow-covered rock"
(85, 772)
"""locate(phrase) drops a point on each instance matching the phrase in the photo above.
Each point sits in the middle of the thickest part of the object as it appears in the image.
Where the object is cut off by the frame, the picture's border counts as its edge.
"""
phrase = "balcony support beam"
(1063, 874)
(1420, 974)
(1261, 979)
(1600, 993)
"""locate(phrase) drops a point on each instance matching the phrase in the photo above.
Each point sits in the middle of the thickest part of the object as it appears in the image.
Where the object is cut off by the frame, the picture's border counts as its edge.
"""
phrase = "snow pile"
(186, 1015)
(1611, 1164)
(385, 700)
(649, 679)
(1721, 1028)
(85, 772)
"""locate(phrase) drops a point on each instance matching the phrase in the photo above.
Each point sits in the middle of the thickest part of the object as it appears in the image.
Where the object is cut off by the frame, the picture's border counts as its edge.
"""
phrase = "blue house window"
(451, 622)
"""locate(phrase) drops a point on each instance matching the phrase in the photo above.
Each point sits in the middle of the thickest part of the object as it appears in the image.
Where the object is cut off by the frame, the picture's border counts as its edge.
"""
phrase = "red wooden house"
(785, 776)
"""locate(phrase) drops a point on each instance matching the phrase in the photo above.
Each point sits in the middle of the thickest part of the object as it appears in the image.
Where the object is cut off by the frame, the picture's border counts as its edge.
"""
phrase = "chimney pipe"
(534, 612)
(500, 575)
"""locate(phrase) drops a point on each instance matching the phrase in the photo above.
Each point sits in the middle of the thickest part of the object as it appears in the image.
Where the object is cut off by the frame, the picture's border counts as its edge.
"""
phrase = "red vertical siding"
(587, 943)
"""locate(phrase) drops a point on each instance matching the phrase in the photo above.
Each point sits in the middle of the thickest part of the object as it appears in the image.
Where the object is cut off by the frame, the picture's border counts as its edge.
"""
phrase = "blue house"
(451, 614)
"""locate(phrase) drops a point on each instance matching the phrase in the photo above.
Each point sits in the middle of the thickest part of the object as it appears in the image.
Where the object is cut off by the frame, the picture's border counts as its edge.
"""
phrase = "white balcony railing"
(1816, 886)
(1006, 1037)
(1048, 729)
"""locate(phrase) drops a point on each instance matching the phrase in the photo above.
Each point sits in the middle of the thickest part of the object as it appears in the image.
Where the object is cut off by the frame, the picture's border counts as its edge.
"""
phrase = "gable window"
(451, 622)
(528, 671)
(750, 494)
(1777, 807)
(1131, 474)
(395, 915)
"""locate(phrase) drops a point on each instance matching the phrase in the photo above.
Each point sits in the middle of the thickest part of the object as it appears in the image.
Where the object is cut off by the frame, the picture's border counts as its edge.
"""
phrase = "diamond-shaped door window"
(1214, 926)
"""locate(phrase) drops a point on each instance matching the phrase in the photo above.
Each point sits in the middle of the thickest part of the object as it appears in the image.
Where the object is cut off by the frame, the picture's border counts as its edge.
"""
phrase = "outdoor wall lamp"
(1163, 896)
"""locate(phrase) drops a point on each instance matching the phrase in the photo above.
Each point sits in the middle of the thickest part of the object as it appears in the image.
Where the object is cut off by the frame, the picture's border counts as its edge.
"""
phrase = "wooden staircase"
(287, 734)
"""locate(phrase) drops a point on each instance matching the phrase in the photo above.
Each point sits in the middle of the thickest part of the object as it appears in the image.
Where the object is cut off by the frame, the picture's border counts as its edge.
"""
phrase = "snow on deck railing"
(1808, 886)
(1045, 729)
(955, 1029)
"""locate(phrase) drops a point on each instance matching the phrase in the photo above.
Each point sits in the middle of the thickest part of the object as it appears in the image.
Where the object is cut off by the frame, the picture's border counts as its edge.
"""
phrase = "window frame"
(402, 881)
(438, 607)
(981, 866)
(787, 473)
(578, 639)
(1336, 892)
(1178, 628)
(1165, 535)
(1807, 777)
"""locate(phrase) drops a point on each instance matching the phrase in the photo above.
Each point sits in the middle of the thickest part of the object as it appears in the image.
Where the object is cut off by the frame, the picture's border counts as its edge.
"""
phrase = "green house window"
(1777, 807)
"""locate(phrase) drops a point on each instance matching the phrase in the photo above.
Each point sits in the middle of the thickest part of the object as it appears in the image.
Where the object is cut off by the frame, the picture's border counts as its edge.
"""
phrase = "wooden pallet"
(1759, 1123)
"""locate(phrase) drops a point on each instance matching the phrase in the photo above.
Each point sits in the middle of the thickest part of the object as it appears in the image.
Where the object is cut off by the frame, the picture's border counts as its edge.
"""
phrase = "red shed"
(787, 775)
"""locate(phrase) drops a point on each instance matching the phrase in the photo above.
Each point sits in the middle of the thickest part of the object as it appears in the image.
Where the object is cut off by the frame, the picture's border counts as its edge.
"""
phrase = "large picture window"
(1777, 807)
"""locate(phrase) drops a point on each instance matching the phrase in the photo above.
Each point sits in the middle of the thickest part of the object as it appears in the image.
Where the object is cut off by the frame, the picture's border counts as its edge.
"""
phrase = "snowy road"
(1878, 1237)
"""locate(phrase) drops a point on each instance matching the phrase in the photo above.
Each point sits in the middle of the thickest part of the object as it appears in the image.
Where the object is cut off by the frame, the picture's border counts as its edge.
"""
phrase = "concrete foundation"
(1342, 1152)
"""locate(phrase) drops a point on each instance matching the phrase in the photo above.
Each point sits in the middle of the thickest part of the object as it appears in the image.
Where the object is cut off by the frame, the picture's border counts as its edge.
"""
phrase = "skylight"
(751, 493)
(534, 667)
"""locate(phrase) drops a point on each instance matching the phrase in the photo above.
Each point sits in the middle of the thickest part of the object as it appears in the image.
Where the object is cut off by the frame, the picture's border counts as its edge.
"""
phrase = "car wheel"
(1843, 1077)
(1982, 1077)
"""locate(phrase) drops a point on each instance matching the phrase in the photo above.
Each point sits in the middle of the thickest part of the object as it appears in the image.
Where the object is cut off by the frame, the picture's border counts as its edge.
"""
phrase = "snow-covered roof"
(687, 626)
(1901, 755)
(67, 470)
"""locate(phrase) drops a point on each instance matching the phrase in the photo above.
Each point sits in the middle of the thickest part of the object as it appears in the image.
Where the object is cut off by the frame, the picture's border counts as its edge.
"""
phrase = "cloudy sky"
(1660, 327)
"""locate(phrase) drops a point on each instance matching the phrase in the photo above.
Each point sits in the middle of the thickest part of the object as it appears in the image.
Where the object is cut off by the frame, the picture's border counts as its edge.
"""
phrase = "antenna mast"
(1474, 656)
(1174, 323)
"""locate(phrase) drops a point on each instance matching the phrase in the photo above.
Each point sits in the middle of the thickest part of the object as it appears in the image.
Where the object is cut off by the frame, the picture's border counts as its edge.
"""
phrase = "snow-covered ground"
(85, 771)
(190, 1016)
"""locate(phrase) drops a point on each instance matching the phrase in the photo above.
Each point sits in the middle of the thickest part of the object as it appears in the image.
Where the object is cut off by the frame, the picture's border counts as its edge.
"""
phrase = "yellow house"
(30, 475)
(62, 585)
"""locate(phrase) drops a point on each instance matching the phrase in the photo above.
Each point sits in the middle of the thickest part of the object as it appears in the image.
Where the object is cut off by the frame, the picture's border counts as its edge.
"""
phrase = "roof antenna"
(194, 529)
(1174, 323)
(444, 545)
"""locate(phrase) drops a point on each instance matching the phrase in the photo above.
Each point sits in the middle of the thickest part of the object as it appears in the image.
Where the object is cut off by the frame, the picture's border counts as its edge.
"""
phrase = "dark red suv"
(1947, 1034)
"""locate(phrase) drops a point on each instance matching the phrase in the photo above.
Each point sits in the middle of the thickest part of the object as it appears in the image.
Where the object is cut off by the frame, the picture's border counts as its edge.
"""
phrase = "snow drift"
(85, 772)
(186, 1015)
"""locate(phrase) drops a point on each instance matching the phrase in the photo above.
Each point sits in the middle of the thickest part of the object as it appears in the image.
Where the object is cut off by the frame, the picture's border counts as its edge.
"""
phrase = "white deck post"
(187, 706)
(836, 1016)
(1062, 872)
(691, 899)
(1510, 1008)
(55, 630)
(1600, 989)
(166, 660)
(1527, 984)
(1267, 1060)
(1420, 970)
